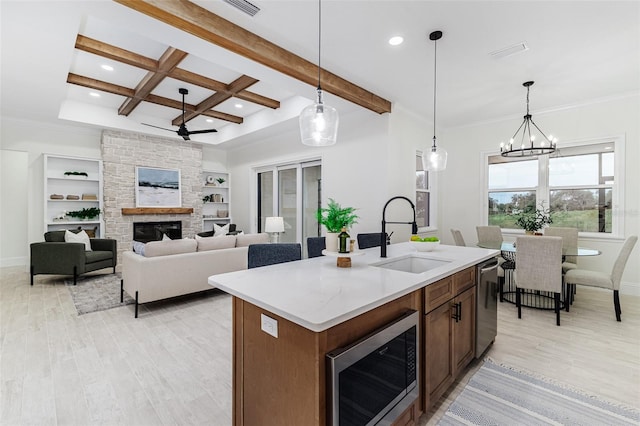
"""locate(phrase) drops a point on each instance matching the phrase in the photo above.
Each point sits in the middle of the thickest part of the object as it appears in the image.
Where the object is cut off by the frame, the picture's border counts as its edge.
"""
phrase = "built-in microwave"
(374, 380)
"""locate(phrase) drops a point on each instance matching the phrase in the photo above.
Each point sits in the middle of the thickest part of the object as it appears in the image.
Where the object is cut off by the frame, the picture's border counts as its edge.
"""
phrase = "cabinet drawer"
(437, 293)
(463, 280)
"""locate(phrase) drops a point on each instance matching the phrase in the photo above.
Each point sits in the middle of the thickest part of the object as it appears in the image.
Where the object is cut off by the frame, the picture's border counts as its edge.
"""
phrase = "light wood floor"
(173, 364)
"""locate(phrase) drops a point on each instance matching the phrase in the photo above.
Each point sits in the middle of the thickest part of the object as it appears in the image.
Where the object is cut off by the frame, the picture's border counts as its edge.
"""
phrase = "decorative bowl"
(425, 245)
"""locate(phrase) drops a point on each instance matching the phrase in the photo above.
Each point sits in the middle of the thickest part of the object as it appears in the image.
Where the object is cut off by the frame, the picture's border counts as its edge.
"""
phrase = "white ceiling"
(579, 52)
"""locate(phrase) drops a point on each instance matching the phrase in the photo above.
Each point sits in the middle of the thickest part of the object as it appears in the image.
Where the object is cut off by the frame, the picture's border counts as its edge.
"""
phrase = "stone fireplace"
(121, 153)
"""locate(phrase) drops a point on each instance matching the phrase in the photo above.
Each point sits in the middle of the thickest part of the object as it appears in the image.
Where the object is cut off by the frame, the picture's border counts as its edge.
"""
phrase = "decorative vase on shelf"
(331, 241)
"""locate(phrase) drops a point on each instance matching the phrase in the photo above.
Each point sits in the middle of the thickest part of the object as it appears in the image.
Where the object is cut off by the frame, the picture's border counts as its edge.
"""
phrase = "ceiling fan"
(182, 130)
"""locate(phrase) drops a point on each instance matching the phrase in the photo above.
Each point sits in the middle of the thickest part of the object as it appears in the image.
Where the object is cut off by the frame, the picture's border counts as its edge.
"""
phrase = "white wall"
(13, 207)
(373, 160)
(461, 192)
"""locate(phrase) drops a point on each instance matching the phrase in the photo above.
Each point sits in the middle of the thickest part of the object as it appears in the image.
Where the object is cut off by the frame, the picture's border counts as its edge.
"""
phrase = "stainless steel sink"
(413, 264)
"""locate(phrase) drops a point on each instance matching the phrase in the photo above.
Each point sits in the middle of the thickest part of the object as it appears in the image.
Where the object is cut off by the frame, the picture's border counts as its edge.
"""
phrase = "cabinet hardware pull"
(456, 314)
(459, 304)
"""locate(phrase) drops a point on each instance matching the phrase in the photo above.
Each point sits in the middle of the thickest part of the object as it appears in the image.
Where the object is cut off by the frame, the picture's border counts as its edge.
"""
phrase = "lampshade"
(319, 122)
(274, 224)
(434, 160)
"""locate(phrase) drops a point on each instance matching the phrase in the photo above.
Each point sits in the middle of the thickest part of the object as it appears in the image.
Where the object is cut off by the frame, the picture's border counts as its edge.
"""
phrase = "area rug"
(96, 293)
(500, 395)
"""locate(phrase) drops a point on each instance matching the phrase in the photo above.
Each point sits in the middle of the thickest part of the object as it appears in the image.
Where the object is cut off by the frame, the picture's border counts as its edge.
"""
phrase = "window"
(577, 184)
(423, 194)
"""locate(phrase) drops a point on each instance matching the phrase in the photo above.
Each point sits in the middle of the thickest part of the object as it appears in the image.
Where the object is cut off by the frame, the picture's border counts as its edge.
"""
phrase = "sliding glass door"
(292, 191)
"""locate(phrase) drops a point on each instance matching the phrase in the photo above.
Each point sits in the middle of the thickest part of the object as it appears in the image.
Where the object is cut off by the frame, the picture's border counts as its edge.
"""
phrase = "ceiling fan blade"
(185, 137)
(158, 127)
(195, 132)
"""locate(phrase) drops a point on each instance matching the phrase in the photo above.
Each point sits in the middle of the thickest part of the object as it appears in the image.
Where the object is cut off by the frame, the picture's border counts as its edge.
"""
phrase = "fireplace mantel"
(156, 210)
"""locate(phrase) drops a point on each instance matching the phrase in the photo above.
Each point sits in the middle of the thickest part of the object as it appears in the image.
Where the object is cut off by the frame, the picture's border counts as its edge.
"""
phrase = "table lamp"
(273, 226)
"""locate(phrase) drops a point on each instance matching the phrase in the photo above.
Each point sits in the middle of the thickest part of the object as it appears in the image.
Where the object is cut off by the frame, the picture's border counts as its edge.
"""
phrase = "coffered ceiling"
(264, 73)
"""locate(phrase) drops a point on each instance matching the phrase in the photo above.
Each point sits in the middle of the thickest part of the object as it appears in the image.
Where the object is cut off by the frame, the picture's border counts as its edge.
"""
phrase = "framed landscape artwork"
(157, 187)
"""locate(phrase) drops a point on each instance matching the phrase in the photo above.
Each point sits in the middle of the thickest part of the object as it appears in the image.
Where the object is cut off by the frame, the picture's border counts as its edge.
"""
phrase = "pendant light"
(435, 159)
(318, 121)
(526, 141)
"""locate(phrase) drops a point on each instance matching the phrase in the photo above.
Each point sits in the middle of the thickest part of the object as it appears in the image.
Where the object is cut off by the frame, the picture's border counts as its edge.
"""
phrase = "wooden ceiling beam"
(117, 54)
(217, 98)
(168, 62)
(115, 89)
(210, 27)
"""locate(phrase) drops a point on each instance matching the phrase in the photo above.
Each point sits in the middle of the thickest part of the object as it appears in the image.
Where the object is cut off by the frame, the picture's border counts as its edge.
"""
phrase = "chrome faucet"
(414, 225)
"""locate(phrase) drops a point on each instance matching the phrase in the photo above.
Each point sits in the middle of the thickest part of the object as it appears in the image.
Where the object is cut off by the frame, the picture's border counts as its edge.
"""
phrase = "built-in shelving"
(213, 211)
(87, 187)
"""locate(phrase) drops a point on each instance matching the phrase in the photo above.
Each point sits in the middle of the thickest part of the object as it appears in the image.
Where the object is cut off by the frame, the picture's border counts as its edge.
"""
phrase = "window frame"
(543, 189)
(432, 190)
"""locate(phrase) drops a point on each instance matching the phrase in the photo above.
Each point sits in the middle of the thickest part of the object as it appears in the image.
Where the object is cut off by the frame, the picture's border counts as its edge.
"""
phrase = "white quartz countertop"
(316, 294)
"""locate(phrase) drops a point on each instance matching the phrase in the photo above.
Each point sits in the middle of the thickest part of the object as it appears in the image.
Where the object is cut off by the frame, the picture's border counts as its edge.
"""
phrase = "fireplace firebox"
(153, 231)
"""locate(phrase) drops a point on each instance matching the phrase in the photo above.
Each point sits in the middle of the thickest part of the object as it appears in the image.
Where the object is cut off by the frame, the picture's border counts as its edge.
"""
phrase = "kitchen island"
(287, 317)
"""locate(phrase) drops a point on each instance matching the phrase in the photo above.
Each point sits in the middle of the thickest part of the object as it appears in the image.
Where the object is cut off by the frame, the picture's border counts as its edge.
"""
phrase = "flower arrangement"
(334, 216)
(533, 220)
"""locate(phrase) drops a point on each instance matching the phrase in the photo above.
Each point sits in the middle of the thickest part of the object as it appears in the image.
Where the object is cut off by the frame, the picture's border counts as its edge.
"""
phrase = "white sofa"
(178, 267)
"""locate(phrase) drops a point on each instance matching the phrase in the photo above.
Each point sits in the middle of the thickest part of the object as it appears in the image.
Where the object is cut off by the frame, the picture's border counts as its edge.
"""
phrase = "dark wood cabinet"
(449, 332)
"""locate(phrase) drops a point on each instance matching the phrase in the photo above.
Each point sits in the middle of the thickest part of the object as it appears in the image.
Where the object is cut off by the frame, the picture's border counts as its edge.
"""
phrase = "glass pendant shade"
(434, 160)
(319, 124)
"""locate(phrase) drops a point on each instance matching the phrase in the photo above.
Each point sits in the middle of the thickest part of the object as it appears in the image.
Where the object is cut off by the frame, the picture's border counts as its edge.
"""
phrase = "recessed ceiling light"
(209, 120)
(396, 40)
(106, 67)
(94, 94)
(238, 105)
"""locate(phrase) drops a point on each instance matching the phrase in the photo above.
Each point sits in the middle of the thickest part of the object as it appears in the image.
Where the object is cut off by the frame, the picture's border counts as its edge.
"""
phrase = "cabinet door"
(464, 332)
(438, 353)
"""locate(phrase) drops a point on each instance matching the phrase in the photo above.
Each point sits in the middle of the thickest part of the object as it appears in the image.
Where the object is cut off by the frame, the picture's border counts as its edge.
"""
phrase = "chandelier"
(526, 141)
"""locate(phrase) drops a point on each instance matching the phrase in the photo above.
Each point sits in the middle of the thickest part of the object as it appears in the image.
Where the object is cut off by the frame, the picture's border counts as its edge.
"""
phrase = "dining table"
(530, 298)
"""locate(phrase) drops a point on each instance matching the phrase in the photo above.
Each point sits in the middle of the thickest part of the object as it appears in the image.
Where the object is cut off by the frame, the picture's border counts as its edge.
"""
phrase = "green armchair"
(55, 256)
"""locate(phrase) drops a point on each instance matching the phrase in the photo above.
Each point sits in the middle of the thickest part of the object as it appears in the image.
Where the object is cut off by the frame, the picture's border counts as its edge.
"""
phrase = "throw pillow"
(165, 248)
(138, 247)
(80, 237)
(220, 231)
(215, 243)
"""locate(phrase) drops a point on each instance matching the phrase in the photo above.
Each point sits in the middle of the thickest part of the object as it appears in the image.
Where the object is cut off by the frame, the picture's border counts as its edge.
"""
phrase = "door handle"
(456, 312)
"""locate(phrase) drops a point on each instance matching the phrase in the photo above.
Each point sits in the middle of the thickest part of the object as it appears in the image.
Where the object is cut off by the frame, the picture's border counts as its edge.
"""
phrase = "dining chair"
(457, 237)
(539, 268)
(600, 279)
(270, 254)
(569, 239)
(369, 239)
(492, 234)
(315, 245)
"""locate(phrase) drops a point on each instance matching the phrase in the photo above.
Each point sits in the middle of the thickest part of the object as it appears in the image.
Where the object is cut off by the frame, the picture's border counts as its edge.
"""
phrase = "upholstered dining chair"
(369, 239)
(600, 279)
(569, 239)
(539, 267)
(270, 254)
(492, 234)
(457, 237)
(315, 245)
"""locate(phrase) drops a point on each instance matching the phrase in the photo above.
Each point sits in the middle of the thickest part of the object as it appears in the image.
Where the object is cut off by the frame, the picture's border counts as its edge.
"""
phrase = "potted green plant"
(85, 213)
(334, 217)
(220, 180)
(533, 220)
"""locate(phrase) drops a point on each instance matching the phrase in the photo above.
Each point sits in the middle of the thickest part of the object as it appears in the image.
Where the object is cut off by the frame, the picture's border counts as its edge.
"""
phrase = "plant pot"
(331, 241)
